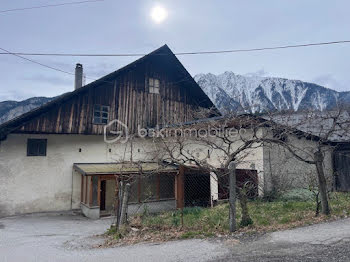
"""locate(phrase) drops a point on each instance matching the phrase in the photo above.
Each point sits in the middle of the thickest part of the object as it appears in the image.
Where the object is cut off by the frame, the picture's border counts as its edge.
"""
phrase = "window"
(100, 114)
(36, 147)
(153, 85)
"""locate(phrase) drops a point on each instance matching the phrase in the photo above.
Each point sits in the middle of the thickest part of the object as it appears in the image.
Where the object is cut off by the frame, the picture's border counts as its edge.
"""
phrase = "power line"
(22, 54)
(264, 48)
(183, 53)
(63, 71)
(52, 5)
(36, 62)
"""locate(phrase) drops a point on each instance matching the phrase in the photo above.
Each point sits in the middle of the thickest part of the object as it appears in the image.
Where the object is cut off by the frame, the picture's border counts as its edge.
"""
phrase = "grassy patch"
(207, 222)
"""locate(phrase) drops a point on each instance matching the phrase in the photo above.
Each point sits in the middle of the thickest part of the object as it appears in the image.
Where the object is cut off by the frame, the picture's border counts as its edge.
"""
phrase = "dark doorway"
(103, 195)
(342, 170)
(197, 189)
(246, 178)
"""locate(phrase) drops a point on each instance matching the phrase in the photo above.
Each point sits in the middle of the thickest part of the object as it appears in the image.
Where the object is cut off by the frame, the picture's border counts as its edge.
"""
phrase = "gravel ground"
(68, 237)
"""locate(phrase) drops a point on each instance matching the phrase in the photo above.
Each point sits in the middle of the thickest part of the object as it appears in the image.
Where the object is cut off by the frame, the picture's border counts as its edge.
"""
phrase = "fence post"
(232, 199)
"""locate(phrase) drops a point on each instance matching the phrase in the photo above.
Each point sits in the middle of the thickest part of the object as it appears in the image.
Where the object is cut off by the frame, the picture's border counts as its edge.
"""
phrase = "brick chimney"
(78, 76)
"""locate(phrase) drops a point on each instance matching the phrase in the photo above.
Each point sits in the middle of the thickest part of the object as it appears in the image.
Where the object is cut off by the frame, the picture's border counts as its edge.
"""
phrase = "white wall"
(35, 184)
(44, 183)
(284, 171)
(48, 183)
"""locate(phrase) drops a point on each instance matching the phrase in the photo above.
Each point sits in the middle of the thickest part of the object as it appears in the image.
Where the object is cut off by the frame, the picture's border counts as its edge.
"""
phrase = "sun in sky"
(158, 14)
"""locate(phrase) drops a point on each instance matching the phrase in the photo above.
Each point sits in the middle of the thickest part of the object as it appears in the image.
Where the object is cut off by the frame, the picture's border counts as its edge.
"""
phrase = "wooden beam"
(90, 191)
(99, 191)
(86, 190)
(82, 189)
(180, 190)
(107, 177)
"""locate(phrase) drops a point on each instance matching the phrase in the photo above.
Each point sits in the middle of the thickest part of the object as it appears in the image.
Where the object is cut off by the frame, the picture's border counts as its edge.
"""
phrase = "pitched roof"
(123, 168)
(164, 51)
(333, 126)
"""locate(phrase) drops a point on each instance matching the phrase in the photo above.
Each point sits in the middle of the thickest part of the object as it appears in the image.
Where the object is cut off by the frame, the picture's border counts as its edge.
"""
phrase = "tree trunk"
(123, 216)
(322, 183)
(119, 201)
(232, 196)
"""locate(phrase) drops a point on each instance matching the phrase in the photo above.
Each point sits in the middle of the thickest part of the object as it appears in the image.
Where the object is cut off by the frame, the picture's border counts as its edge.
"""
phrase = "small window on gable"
(36, 147)
(153, 85)
(101, 114)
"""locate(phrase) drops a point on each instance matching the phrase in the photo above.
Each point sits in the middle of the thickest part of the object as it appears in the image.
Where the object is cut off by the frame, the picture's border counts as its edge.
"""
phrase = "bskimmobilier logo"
(118, 132)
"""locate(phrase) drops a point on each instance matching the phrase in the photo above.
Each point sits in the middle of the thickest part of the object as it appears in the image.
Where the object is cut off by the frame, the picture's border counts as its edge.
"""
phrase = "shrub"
(298, 194)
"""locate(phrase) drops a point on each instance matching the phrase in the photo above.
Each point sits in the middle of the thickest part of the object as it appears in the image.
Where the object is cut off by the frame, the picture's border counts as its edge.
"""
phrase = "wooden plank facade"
(126, 93)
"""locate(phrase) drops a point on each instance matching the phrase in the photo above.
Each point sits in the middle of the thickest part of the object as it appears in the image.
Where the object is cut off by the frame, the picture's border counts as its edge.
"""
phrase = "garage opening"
(197, 188)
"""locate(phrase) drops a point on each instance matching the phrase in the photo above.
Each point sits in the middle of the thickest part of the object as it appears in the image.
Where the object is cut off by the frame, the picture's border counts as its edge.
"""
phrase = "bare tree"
(211, 146)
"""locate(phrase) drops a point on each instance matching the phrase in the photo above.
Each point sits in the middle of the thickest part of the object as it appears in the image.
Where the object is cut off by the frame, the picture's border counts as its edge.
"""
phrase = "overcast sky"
(115, 26)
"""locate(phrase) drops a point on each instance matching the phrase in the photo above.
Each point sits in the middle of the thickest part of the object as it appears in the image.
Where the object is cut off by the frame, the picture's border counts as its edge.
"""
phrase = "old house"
(267, 162)
(55, 158)
(69, 153)
(332, 128)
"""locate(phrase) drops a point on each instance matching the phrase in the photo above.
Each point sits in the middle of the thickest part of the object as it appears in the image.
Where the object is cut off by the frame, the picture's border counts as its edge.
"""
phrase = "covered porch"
(153, 186)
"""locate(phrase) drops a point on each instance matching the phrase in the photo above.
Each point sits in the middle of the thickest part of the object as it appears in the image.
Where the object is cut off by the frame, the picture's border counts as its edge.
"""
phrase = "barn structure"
(55, 157)
(70, 153)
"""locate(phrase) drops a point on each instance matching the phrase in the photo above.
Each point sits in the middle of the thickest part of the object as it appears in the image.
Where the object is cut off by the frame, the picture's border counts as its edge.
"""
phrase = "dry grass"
(209, 222)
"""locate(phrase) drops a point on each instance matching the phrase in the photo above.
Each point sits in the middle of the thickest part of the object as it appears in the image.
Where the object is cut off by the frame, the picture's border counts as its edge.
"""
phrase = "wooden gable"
(127, 95)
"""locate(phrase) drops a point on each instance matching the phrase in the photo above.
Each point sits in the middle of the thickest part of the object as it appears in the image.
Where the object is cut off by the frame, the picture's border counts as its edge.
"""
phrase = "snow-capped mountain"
(230, 91)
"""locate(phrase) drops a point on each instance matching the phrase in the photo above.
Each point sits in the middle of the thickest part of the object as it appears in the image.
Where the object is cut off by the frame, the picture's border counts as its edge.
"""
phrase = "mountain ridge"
(10, 109)
(256, 94)
(233, 92)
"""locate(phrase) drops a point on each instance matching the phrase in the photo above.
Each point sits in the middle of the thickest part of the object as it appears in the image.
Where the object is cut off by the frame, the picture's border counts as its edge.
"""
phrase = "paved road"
(70, 237)
(321, 242)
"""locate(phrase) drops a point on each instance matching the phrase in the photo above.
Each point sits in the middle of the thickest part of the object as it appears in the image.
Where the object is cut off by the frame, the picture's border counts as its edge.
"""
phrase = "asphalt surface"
(52, 237)
(67, 237)
(321, 242)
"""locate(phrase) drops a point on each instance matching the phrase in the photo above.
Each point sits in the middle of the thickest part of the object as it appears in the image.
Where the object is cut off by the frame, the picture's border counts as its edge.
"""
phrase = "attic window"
(153, 85)
(36, 147)
(101, 114)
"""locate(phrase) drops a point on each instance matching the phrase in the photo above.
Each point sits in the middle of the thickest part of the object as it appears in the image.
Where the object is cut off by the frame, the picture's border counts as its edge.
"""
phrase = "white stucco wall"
(44, 183)
(284, 171)
(36, 184)
(48, 183)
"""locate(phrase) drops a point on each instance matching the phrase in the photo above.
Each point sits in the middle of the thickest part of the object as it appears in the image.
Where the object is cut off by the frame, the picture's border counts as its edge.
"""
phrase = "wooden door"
(103, 195)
